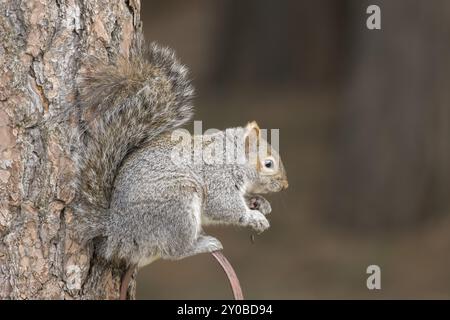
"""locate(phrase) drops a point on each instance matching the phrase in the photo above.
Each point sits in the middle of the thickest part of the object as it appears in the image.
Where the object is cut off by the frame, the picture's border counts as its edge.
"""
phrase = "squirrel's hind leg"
(184, 234)
(203, 244)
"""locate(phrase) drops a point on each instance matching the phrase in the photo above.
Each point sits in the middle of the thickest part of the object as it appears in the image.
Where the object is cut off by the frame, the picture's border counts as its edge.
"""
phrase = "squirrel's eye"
(268, 164)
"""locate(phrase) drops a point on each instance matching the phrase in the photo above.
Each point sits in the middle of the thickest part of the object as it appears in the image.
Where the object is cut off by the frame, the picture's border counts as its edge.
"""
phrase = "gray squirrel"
(134, 201)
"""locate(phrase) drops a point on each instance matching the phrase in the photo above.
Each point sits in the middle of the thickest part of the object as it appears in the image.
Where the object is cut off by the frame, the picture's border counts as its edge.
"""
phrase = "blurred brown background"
(364, 119)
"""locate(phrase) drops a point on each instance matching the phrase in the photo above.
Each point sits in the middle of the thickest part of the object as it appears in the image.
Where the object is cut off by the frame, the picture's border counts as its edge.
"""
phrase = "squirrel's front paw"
(259, 203)
(255, 220)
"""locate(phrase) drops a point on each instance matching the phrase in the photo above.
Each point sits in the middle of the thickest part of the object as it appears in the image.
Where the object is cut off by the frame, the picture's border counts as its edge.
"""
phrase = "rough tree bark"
(41, 43)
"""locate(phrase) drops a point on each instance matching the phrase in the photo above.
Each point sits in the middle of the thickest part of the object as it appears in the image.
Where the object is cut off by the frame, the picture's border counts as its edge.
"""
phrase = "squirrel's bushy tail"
(121, 107)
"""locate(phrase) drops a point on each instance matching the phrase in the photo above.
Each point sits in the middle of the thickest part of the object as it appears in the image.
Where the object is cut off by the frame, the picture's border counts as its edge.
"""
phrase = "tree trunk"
(41, 44)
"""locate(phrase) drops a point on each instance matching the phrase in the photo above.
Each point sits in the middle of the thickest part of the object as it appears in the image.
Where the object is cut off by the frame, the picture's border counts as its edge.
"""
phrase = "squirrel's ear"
(252, 128)
(251, 135)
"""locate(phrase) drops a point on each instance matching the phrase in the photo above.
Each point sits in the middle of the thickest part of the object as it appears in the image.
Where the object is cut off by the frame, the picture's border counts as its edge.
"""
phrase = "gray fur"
(121, 107)
(152, 211)
(133, 199)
